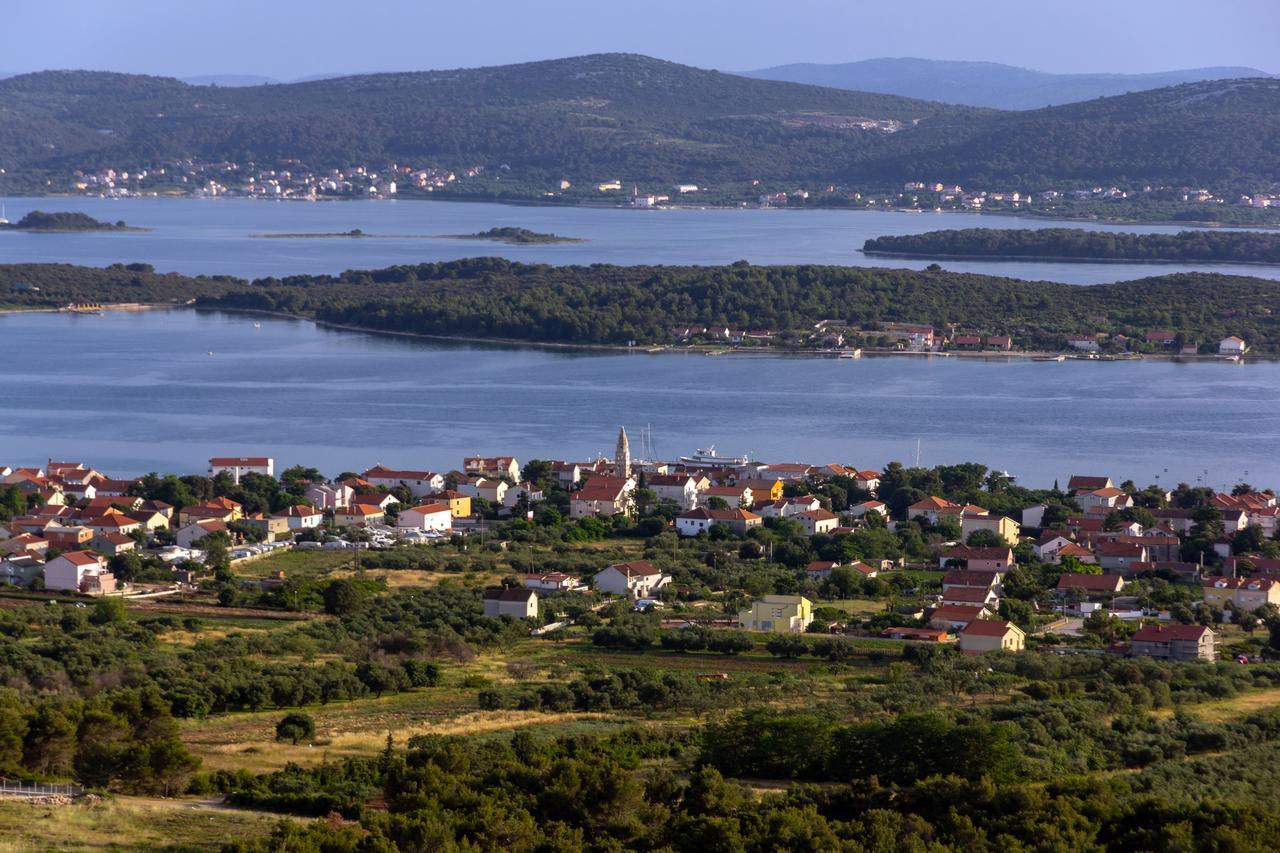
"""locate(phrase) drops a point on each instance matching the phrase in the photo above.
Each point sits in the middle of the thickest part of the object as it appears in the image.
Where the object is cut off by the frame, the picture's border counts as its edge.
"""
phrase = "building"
(358, 515)
(977, 559)
(638, 579)
(952, 617)
(553, 582)
(1242, 595)
(1173, 642)
(79, 571)
(702, 519)
(788, 614)
(817, 521)
(1005, 529)
(300, 516)
(189, 535)
(501, 467)
(602, 495)
(325, 496)
(970, 596)
(868, 507)
(1087, 483)
(419, 483)
(437, 517)
(1232, 346)
(682, 489)
(511, 601)
(930, 509)
(458, 503)
(1090, 585)
(238, 466)
(991, 635)
(622, 456)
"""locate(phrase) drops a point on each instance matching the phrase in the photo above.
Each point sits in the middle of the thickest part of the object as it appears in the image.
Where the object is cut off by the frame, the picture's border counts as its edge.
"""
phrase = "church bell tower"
(622, 455)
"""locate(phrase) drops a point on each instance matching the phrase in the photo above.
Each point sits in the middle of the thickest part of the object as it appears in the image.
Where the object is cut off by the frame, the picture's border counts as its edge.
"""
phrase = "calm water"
(215, 236)
(130, 393)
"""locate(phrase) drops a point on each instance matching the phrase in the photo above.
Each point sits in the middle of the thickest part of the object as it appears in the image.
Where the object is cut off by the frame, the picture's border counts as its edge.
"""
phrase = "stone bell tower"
(622, 455)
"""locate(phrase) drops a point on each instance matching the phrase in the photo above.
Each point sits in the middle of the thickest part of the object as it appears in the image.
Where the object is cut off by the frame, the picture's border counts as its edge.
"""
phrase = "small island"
(516, 235)
(1078, 244)
(43, 221)
(316, 235)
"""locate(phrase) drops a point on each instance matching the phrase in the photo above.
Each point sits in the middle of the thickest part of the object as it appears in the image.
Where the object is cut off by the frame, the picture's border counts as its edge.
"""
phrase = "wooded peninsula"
(1241, 247)
(496, 299)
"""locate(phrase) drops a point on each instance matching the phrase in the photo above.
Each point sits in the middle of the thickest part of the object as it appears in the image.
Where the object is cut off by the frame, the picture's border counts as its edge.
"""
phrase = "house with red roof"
(1090, 585)
(954, 616)
(1087, 483)
(702, 519)
(930, 509)
(1173, 642)
(419, 483)
(817, 521)
(602, 495)
(436, 516)
(79, 571)
(358, 515)
(977, 559)
(238, 466)
(637, 579)
(300, 516)
(991, 635)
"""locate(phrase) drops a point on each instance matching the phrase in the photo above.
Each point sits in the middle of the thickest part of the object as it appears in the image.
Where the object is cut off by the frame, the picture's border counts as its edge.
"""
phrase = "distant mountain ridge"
(641, 120)
(986, 84)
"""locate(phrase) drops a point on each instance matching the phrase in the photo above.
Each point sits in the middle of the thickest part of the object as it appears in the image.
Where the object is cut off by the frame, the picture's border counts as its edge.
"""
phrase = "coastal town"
(294, 179)
(1117, 568)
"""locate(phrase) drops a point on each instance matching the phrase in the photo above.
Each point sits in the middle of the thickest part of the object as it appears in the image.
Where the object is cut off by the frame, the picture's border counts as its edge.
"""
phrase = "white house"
(238, 466)
(680, 488)
(301, 516)
(510, 601)
(868, 507)
(327, 496)
(1232, 346)
(419, 483)
(79, 571)
(187, 537)
(638, 579)
(512, 495)
(552, 582)
(426, 517)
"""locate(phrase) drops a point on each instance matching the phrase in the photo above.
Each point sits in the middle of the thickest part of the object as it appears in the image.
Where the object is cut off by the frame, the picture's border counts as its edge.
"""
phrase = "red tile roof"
(986, 628)
(1169, 633)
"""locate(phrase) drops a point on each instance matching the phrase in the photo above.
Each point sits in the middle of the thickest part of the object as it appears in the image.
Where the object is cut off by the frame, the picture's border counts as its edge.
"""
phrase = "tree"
(108, 610)
(787, 646)
(717, 503)
(295, 727)
(344, 596)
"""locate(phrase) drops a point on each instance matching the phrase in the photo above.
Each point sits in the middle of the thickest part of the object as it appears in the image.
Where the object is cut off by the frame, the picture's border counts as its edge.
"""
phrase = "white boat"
(851, 353)
(708, 458)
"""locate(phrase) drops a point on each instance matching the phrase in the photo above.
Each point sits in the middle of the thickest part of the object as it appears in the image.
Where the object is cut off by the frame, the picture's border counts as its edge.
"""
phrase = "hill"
(598, 116)
(640, 120)
(985, 84)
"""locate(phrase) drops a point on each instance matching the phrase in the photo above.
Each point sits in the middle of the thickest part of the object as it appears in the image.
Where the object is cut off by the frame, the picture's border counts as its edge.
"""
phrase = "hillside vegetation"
(491, 298)
(631, 117)
(1077, 243)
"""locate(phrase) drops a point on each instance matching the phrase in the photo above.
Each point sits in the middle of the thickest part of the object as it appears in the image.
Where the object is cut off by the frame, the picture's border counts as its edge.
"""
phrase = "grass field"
(1222, 710)
(125, 824)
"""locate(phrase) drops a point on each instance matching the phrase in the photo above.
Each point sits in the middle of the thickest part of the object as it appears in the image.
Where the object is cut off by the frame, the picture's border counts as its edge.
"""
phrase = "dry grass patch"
(1222, 710)
(125, 823)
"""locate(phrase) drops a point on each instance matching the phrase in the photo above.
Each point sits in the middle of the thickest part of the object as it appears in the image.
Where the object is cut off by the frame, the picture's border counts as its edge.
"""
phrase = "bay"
(217, 236)
(135, 392)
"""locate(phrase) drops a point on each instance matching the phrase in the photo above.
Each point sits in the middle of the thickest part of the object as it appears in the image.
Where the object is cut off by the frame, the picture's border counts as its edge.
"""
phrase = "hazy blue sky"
(292, 38)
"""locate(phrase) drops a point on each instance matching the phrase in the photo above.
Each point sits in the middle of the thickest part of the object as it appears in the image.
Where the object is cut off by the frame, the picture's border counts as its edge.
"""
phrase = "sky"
(288, 39)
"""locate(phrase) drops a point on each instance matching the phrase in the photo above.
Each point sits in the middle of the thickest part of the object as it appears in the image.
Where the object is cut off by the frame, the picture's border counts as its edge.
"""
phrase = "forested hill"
(1077, 243)
(638, 119)
(606, 115)
(600, 304)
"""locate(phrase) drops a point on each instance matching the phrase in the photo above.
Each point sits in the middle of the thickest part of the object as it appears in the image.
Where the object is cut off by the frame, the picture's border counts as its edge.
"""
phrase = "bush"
(295, 727)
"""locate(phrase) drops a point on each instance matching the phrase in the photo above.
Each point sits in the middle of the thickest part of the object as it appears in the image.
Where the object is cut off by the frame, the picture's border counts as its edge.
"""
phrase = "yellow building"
(763, 491)
(787, 614)
(1006, 528)
(459, 504)
(991, 635)
(1243, 595)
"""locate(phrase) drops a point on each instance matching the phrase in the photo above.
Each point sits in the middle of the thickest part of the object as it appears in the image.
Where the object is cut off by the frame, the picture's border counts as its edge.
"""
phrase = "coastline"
(911, 256)
(1057, 216)
(706, 350)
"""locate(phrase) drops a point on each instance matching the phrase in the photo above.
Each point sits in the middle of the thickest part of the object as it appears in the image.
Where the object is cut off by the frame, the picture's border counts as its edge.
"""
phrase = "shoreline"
(1054, 216)
(1047, 259)
(663, 349)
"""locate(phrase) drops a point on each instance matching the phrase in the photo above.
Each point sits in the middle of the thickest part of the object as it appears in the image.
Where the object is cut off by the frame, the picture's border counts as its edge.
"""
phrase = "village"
(294, 179)
(1145, 572)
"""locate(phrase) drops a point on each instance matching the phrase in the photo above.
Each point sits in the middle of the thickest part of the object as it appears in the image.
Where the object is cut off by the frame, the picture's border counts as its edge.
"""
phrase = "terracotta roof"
(83, 558)
(987, 628)
(635, 569)
(1091, 583)
(965, 552)
(932, 502)
(509, 593)
(820, 515)
(429, 509)
(1168, 633)
(1084, 482)
(967, 594)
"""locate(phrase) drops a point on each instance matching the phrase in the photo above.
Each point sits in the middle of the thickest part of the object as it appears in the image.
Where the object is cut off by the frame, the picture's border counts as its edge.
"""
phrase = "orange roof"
(986, 628)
